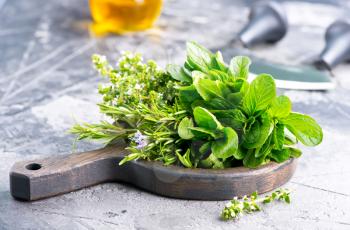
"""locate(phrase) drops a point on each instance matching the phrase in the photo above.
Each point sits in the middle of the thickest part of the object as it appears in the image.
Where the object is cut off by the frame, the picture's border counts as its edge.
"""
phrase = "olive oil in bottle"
(120, 16)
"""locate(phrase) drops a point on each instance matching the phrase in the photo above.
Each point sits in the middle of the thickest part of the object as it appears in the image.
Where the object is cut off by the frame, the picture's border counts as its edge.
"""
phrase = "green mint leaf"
(280, 107)
(258, 132)
(202, 133)
(185, 159)
(218, 62)
(239, 67)
(178, 73)
(278, 136)
(251, 161)
(198, 57)
(280, 155)
(305, 128)
(294, 152)
(130, 157)
(227, 145)
(261, 93)
(218, 75)
(183, 129)
(265, 149)
(188, 95)
(206, 119)
(209, 89)
(232, 118)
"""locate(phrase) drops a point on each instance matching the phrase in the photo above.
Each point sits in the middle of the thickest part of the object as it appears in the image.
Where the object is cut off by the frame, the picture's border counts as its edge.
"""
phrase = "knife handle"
(33, 180)
(267, 24)
(337, 49)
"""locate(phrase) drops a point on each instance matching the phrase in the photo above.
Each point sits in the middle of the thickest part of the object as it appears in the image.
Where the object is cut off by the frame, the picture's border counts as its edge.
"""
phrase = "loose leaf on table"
(281, 107)
(261, 92)
(198, 57)
(305, 128)
(239, 67)
(227, 145)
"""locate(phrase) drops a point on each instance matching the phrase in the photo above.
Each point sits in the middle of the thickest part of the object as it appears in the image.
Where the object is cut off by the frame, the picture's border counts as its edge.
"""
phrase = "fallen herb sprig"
(236, 208)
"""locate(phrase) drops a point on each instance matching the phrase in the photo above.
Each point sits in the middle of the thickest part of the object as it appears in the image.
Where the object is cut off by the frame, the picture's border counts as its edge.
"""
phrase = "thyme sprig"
(236, 208)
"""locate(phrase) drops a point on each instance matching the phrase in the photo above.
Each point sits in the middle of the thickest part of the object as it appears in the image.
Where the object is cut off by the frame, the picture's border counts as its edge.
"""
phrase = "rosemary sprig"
(236, 208)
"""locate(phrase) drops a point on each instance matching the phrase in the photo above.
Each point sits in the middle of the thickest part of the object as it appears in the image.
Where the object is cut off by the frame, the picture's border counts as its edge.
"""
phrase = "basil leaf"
(206, 119)
(280, 107)
(227, 145)
(261, 92)
(258, 132)
(305, 128)
(183, 129)
(280, 155)
(239, 67)
(178, 73)
(198, 57)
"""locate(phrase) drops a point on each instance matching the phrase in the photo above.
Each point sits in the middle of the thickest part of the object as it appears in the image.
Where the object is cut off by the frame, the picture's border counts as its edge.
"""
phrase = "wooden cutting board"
(33, 180)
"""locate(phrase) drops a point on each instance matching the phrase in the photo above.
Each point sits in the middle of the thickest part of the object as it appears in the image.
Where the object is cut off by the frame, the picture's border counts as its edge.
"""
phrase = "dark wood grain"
(33, 180)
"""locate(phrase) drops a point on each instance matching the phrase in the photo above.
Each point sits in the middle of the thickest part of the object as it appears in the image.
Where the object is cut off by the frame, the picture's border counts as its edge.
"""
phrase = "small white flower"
(137, 86)
(129, 92)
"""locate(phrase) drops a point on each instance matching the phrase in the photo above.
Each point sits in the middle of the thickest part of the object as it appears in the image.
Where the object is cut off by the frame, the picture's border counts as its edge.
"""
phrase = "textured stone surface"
(46, 83)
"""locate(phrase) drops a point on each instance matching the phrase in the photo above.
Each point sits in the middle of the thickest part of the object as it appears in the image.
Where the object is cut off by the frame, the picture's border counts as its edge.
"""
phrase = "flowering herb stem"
(236, 208)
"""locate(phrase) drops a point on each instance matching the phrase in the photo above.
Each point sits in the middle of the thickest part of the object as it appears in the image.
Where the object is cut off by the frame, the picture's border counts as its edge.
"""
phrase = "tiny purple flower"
(140, 139)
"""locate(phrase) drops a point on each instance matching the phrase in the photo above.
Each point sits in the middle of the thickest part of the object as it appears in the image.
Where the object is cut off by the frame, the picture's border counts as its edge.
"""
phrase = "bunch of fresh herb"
(236, 208)
(202, 114)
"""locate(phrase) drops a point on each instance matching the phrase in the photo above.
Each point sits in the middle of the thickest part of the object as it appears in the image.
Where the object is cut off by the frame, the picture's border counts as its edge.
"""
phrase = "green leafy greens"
(202, 114)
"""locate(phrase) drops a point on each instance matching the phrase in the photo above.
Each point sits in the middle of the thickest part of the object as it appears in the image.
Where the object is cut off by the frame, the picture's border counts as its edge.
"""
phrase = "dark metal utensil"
(267, 23)
(337, 49)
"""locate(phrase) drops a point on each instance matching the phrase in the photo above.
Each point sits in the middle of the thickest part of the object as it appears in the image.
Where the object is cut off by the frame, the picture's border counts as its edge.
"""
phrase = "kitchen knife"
(268, 24)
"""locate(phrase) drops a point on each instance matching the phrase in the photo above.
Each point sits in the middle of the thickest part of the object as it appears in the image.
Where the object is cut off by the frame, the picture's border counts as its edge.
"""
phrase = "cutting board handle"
(32, 180)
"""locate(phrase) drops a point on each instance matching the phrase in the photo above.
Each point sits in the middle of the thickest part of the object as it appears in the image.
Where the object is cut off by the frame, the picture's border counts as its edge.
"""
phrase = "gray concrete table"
(46, 83)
